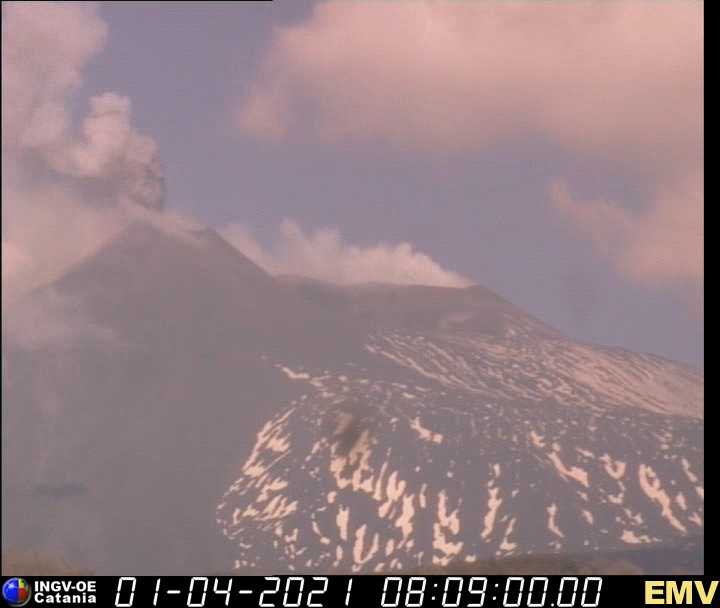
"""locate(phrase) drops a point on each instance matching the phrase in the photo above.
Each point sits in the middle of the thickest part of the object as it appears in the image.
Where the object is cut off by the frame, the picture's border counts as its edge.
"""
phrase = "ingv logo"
(679, 592)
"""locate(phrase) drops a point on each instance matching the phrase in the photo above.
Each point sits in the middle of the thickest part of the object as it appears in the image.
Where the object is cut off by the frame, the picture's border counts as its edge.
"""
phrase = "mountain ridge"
(201, 367)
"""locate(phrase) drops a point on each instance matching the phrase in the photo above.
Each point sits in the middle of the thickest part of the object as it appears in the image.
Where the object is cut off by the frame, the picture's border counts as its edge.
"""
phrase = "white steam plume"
(325, 256)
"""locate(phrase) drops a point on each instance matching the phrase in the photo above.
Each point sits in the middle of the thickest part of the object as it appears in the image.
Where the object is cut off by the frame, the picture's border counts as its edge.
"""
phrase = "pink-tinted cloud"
(661, 243)
(617, 81)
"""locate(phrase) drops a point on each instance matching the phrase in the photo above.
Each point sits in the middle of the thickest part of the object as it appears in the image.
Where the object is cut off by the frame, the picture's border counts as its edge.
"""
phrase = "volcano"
(169, 407)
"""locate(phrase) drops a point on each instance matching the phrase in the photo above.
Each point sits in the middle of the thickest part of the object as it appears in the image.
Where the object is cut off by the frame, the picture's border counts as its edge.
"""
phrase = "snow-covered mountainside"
(362, 428)
(465, 441)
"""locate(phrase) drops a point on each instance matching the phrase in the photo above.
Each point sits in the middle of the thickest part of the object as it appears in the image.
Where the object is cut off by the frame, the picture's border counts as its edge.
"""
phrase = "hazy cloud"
(618, 81)
(65, 188)
(324, 255)
(658, 244)
(53, 321)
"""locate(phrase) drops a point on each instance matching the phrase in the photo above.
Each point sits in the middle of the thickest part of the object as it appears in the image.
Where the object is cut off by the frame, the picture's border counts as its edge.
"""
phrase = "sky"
(549, 151)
